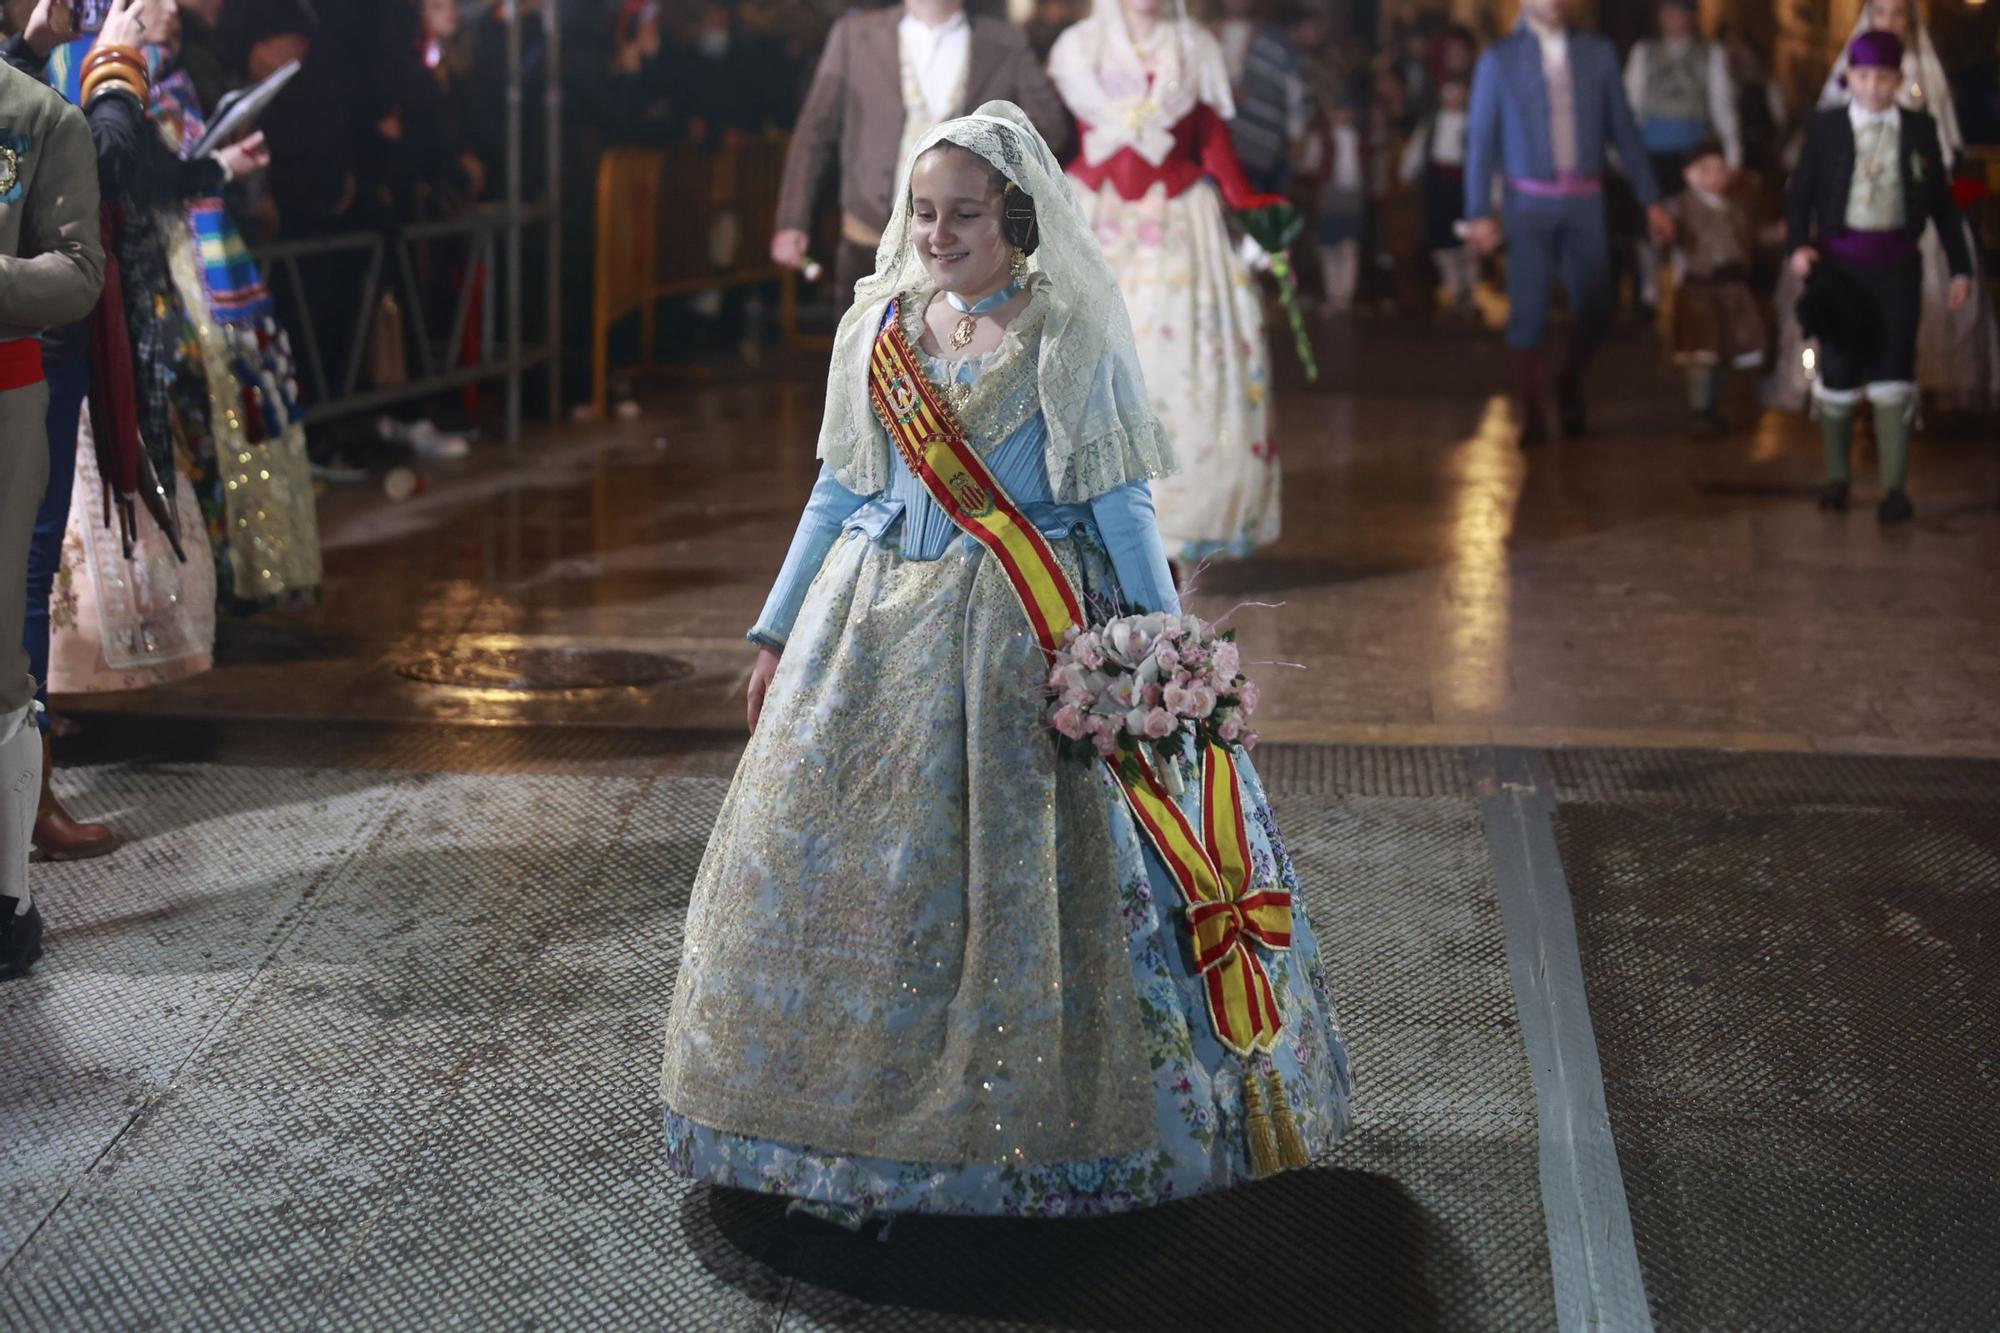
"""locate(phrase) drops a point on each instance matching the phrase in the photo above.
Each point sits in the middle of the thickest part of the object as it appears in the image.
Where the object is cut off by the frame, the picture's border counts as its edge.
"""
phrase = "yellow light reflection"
(1486, 472)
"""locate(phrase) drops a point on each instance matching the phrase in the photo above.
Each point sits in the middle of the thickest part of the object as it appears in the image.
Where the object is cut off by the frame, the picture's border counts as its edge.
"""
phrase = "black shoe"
(20, 939)
(1569, 405)
(1833, 497)
(821, 1221)
(1895, 508)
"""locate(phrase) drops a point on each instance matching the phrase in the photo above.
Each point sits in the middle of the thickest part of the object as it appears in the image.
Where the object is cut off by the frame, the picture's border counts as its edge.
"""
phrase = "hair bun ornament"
(1018, 222)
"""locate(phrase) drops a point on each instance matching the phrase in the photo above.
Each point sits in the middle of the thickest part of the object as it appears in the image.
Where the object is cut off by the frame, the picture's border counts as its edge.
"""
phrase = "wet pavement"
(1437, 584)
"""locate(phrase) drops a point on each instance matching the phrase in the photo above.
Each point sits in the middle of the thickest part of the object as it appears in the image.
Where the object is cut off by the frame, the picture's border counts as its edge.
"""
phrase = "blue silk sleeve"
(1131, 535)
(830, 505)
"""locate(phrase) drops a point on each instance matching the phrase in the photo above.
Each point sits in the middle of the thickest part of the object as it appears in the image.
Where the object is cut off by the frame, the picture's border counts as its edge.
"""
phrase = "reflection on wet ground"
(1437, 584)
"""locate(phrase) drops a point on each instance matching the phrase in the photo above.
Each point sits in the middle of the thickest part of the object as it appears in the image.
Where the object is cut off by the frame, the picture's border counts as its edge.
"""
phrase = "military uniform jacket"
(51, 266)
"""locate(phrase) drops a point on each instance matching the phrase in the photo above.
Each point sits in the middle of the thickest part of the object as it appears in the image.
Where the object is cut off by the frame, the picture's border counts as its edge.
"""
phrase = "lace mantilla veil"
(1102, 431)
(1100, 71)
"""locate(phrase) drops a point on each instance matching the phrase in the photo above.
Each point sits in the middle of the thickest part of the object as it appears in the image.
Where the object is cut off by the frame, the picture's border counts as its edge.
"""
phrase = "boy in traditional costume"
(1870, 182)
(931, 964)
(51, 269)
(1717, 323)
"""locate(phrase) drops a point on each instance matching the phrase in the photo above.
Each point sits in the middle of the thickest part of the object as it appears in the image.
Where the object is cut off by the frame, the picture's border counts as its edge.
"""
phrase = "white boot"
(20, 793)
(1342, 265)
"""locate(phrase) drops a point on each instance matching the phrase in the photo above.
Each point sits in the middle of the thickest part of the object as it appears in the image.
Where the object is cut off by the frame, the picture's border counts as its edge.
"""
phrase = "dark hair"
(1709, 147)
(1018, 224)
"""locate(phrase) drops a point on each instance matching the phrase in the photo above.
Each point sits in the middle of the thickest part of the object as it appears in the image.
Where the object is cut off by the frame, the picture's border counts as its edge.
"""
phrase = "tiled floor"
(1436, 583)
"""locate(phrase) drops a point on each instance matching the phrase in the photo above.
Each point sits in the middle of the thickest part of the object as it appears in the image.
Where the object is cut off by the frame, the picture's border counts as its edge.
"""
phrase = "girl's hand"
(760, 683)
(245, 157)
(1803, 260)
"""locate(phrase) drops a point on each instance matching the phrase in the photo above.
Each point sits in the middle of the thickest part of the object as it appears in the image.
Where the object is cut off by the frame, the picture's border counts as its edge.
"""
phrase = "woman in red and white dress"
(1150, 90)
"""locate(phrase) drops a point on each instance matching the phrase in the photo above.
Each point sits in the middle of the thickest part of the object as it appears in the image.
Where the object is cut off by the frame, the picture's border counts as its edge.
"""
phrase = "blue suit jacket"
(1508, 125)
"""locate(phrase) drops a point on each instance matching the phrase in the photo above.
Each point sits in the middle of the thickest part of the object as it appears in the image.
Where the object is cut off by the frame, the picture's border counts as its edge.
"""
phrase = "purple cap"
(1876, 49)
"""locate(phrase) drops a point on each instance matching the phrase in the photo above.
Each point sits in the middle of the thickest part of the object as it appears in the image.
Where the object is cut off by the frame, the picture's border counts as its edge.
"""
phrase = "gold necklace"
(961, 333)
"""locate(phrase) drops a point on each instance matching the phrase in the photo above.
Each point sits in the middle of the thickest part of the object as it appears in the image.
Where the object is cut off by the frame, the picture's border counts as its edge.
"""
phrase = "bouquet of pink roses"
(1151, 683)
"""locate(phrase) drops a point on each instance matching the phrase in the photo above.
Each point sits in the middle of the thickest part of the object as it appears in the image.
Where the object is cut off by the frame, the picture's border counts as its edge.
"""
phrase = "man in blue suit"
(1548, 103)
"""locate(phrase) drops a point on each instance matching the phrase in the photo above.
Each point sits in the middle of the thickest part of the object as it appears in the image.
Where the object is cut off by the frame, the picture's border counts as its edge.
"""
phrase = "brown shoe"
(57, 837)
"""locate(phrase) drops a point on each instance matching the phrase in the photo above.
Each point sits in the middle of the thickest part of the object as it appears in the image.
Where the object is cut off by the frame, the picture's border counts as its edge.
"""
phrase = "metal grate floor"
(358, 1048)
(1790, 966)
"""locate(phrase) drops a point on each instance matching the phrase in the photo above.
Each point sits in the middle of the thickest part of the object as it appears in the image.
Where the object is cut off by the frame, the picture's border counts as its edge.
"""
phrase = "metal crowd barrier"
(335, 380)
(678, 222)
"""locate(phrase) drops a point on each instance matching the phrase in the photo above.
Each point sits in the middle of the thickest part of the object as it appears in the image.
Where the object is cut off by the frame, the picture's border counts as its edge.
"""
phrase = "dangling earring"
(1020, 266)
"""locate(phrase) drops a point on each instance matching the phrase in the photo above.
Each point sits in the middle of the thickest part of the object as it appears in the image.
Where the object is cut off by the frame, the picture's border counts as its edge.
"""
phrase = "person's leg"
(1584, 256)
(1532, 236)
(1704, 387)
(1894, 404)
(24, 461)
(1892, 389)
(20, 780)
(68, 386)
(56, 835)
(1347, 272)
(1836, 393)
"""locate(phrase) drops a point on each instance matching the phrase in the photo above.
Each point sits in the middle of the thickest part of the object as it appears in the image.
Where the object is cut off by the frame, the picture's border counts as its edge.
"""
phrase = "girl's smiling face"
(955, 222)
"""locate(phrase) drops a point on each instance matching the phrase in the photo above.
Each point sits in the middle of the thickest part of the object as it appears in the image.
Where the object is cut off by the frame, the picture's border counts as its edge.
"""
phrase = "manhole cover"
(543, 668)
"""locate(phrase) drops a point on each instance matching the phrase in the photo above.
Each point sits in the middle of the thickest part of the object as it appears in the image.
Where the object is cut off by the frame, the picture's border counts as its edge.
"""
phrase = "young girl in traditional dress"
(931, 965)
(1150, 90)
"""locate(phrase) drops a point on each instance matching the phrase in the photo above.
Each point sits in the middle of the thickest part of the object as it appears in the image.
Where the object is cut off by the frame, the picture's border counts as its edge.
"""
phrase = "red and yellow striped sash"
(1225, 913)
(935, 448)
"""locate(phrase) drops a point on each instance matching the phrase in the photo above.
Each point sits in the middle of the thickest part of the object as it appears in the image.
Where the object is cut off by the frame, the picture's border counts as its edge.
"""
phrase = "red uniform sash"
(20, 363)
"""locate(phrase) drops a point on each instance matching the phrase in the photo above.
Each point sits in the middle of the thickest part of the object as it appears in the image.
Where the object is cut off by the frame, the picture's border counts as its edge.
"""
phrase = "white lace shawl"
(1101, 74)
(1102, 431)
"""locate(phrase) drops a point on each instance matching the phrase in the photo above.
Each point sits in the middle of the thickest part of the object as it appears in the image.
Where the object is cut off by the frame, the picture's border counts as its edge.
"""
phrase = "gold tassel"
(1264, 1157)
(1291, 1148)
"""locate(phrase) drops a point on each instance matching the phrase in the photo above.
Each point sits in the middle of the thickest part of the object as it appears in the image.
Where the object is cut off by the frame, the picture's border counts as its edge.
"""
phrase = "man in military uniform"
(51, 266)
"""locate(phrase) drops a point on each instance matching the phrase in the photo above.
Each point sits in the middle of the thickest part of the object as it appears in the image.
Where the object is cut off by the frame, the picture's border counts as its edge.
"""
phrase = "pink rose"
(1230, 727)
(1089, 652)
(1058, 677)
(1069, 721)
(1160, 724)
(1168, 659)
(1180, 700)
(1150, 694)
(1107, 745)
(1227, 661)
(1249, 740)
(1204, 701)
(1247, 697)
